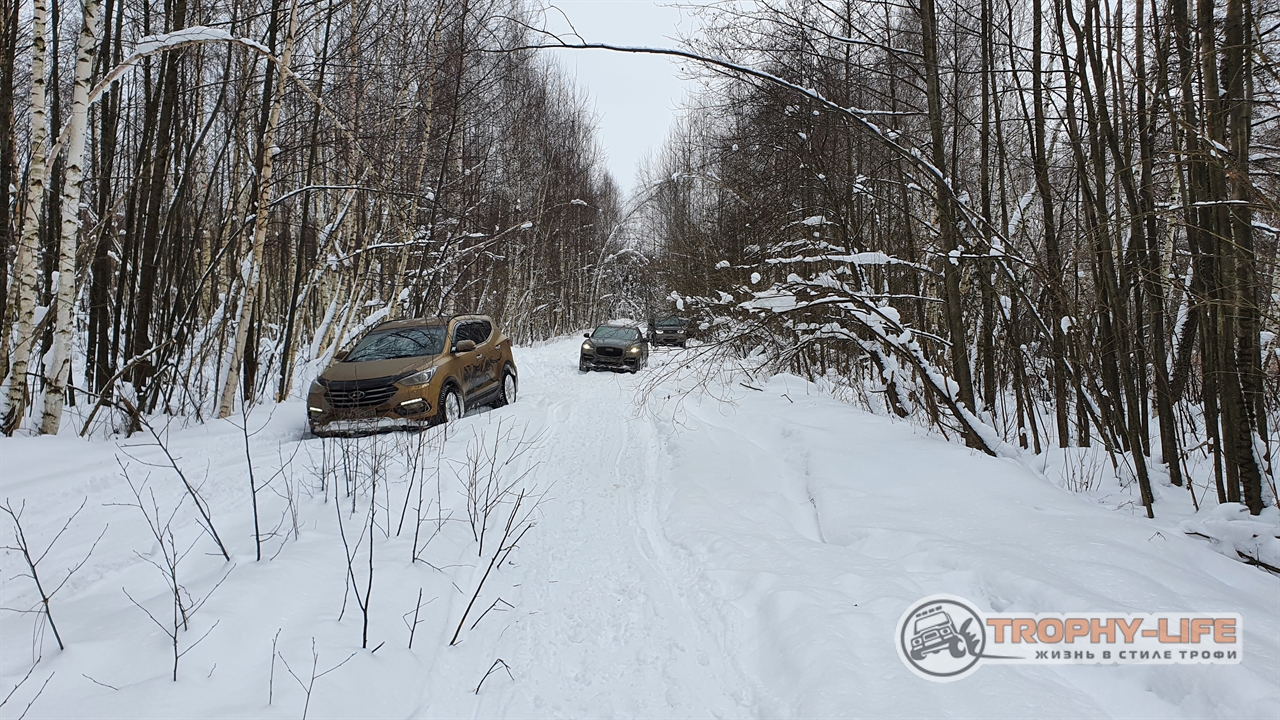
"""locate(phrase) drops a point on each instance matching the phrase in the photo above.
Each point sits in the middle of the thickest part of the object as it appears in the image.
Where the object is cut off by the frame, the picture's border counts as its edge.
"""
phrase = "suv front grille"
(609, 351)
(360, 394)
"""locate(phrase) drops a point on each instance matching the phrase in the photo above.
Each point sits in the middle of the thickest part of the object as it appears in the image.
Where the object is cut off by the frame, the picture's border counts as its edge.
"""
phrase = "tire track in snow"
(605, 629)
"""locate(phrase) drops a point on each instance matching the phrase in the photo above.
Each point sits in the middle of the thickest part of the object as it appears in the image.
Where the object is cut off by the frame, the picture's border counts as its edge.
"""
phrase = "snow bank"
(807, 524)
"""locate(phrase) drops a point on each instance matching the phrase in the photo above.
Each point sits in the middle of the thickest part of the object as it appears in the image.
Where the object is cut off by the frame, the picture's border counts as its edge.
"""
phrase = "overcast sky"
(634, 95)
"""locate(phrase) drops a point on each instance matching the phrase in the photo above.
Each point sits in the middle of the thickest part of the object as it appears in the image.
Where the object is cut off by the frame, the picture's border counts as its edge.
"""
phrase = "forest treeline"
(240, 186)
(1040, 223)
(1037, 223)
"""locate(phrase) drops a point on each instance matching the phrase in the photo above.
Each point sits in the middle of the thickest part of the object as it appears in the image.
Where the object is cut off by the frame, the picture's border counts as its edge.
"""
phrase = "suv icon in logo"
(934, 632)
(941, 638)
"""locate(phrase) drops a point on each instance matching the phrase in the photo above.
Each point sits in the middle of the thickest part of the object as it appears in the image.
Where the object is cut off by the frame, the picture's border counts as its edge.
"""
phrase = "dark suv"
(614, 347)
(669, 331)
(408, 373)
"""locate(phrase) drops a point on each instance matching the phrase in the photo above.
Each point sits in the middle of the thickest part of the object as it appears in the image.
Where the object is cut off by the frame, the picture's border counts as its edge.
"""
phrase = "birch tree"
(59, 370)
(24, 266)
(252, 285)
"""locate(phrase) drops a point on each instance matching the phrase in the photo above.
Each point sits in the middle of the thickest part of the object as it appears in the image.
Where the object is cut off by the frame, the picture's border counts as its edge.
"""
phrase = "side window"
(476, 332)
(483, 330)
(459, 334)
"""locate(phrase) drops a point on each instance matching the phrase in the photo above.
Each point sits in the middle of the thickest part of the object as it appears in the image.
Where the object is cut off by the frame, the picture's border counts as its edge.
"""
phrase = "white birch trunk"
(259, 222)
(59, 370)
(24, 270)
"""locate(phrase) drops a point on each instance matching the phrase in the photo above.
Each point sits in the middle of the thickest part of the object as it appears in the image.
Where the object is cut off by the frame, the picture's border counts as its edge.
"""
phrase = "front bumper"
(367, 426)
(622, 362)
(377, 405)
(934, 643)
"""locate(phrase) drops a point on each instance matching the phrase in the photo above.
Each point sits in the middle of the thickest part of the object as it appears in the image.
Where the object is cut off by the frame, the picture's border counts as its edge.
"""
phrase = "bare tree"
(33, 558)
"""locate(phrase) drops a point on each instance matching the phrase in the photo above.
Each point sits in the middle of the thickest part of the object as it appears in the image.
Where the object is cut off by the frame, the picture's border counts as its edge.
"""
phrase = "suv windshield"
(669, 322)
(399, 343)
(610, 332)
(939, 620)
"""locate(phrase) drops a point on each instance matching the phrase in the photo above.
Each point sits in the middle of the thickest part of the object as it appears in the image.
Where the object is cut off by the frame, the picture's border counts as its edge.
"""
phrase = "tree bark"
(1248, 418)
(29, 243)
(69, 243)
(255, 259)
(1053, 252)
(947, 227)
(1155, 284)
(8, 170)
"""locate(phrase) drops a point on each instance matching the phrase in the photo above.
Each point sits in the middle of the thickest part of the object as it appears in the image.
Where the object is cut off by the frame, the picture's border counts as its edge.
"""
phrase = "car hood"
(345, 371)
(614, 343)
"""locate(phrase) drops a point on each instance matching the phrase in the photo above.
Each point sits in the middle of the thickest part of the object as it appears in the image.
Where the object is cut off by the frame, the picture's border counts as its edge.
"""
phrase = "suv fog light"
(411, 407)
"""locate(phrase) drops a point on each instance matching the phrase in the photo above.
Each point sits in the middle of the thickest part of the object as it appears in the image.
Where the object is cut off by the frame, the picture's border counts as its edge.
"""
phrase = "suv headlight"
(587, 346)
(634, 349)
(419, 378)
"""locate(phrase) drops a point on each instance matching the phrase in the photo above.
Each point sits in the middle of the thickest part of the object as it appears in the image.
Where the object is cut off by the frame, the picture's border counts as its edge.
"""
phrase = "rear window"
(398, 343)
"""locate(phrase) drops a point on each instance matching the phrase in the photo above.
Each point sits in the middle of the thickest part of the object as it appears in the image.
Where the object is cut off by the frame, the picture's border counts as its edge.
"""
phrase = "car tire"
(583, 366)
(957, 649)
(451, 406)
(508, 389)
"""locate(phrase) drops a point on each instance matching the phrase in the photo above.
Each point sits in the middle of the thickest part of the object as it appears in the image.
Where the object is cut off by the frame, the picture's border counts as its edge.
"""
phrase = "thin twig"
(195, 496)
(496, 664)
(37, 695)
(98, 682)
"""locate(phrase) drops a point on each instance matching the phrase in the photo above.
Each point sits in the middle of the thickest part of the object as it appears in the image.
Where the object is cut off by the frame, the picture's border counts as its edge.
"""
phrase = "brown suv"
(407, 373)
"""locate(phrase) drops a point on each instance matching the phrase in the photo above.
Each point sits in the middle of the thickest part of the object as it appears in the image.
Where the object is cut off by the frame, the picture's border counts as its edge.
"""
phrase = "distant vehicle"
(934, 631)
(408, 373)
(669, 331)
(614, 347)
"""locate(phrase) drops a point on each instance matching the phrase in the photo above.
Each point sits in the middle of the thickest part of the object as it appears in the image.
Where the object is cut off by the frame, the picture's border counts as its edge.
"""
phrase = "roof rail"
(446, 318)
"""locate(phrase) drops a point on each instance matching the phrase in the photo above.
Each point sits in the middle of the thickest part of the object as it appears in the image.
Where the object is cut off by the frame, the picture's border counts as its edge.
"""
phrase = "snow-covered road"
(614, 631)
(742, 556)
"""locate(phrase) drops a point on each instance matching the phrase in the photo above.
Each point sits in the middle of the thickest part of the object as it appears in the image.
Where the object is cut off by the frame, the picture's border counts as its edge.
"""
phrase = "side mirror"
(340, 355)
(465, 346)
(586, 335)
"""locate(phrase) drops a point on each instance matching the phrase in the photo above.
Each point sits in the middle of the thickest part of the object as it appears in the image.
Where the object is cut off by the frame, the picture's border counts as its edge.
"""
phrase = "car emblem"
(356, 394)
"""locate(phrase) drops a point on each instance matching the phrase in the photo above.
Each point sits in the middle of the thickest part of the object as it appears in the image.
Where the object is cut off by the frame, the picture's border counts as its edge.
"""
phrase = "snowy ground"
(697, 558)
